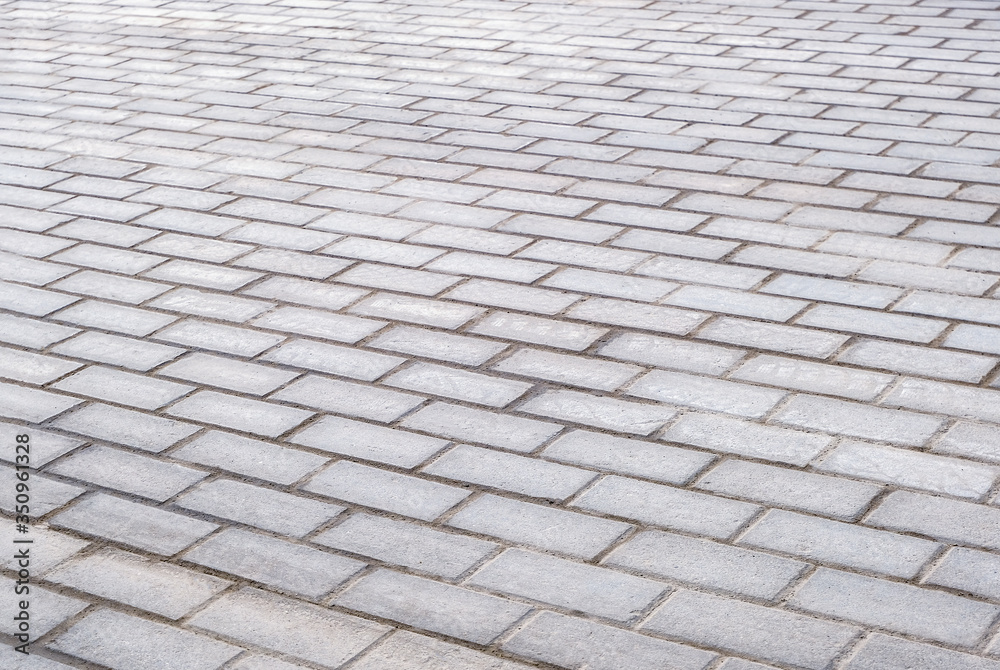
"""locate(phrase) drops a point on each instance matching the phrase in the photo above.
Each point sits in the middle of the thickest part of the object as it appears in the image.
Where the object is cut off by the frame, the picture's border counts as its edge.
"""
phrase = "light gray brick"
(31, 332)
(572, 370)
(24, 366)
(244, 414)
(161, 588)
(974, 338)
(125, 471)
(417, 310)
(458, 384)
(285, 565)
(983, 310)
(388, 491)
(705, 393)
(569, 253)
(858, 420)
(881, 652)
(476, 425)
(627, 456)
(304, 292)
(433, 606)
(259, 507)
(32, 301)
(637, 315)
(735, 302)
(815, 377)
(539, 526)
(968, 571)
(701, 272)
(407, 544)
(122, 387)
(334, 359)
(971, 440)
(368, 442)
(111, 287)
(904, 467)
(645, 217)
(794, 489)
(912, 275)
(671, 353)
(940, 518)
(209, 370)
(530, 477)
(217, 337)
(600, 412)
(212, 305)
(116, 318)
(301, 630)
(569, 585)
(832, 290)
(536, 330)
(392, 278)
(409, 651)
(946, 398)
(510, 296)
(253, 458)
(198, 248)
(614, 285)
(18, 402)
(706, 564)
(440, 346)
(769, 443)
(293, 263)
(125, 426)
(572, 642)
(841, 544)
(126, 642)
(333, 395)
(114, 350)
(319, 324)
(922, 361)
(900, 607)
(766, 633)
(667, 507)
(773, 337)
(132, 524)
(673, 244)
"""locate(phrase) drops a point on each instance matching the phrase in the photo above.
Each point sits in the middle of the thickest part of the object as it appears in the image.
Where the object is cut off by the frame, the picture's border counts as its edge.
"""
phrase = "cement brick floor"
(492, 334)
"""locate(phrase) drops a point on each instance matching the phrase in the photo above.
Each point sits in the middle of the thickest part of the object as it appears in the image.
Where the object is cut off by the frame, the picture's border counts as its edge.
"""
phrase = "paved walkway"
(490, 334)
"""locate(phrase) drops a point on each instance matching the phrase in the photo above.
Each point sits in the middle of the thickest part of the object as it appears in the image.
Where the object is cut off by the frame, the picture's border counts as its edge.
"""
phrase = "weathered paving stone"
(530, 310)
(123, 641)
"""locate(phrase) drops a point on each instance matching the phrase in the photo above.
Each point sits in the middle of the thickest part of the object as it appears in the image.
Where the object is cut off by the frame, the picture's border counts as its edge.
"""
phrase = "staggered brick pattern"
(497, 334)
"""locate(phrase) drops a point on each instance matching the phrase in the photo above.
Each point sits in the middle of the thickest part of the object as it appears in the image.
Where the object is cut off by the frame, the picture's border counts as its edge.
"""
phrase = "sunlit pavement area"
(494, 335)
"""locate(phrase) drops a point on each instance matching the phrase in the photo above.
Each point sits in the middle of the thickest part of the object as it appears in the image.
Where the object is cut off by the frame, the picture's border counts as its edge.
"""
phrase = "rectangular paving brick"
(278, 563)
(309, 632)
(123, 641)
(666, 506)
(162, 588)
(388, 491)
(253, 416)
(133, 524)
(568, 584)
(769, 634)
(900, 607)
(441, 608)
(707, 564)
(407, 544)
(840, 544)
(569, 641)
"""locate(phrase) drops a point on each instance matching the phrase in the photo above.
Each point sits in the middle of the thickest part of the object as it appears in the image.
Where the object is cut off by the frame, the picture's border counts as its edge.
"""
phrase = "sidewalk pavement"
(491, 334)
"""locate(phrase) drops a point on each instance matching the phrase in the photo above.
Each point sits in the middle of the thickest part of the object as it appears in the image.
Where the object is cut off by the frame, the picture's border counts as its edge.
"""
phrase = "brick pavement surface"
(498, 334)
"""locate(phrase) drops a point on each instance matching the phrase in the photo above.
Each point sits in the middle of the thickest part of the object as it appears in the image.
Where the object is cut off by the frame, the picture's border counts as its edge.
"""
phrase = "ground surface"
(475, 334)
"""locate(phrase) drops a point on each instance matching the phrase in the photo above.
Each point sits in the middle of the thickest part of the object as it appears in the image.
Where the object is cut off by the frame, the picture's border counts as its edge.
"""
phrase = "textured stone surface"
(504, 323)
